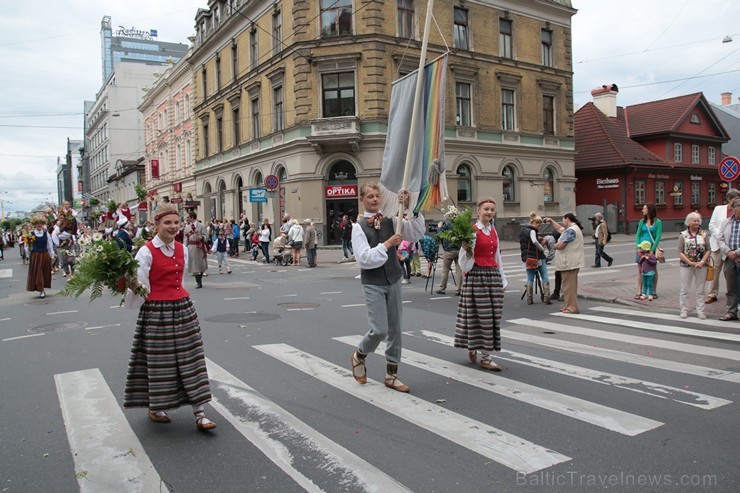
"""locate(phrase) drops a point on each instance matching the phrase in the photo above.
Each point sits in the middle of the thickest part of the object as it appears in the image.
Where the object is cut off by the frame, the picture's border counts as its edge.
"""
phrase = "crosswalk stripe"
(612, 354)
(636, 324)
(285, 440)
(640, 341)
(495, 444)
(573, 407)
(663, 316)
(107, 454)
(632, 384)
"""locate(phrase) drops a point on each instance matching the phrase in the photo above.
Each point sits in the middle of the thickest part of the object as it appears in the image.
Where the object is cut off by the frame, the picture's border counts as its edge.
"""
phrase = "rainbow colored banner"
(427, 175)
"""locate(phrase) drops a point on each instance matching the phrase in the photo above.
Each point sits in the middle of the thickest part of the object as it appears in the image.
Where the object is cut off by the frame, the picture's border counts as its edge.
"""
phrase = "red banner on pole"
(155, 168)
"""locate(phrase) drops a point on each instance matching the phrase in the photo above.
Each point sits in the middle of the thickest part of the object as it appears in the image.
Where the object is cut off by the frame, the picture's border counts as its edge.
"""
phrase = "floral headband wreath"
(165, 213)
(486, 200)
(38, 220)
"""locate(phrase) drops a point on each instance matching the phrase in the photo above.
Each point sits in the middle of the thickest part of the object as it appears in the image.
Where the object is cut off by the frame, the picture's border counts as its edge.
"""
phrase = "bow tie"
(375, 220)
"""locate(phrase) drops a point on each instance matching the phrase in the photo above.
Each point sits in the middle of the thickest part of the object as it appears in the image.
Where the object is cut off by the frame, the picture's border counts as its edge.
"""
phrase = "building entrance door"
(335, 210)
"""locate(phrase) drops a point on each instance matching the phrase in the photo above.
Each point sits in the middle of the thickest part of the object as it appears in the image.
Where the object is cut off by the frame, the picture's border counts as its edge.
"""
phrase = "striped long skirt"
(479, 310)
(39, 272)
(167, 368)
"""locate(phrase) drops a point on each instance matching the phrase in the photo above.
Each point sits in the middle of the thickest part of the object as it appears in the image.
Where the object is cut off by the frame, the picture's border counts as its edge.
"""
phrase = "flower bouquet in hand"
(461, 229)
(103, 264)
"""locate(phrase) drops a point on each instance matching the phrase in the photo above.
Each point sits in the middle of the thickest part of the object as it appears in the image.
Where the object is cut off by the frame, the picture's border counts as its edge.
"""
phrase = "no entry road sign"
(729, 168)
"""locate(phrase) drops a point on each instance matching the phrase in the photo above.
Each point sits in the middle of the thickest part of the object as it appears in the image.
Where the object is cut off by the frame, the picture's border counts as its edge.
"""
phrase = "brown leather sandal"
(358, 369)
(488, 364)
(728, 316)
(473, 356)
(199, 417)
(392, 382)
(158, 418)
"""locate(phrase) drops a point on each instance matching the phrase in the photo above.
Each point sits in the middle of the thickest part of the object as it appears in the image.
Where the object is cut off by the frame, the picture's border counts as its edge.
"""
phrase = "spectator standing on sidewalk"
(429, 250)
(451, 254)
(647, 263)
(345, 228)
(694, 255)
(234, 239)
(295, 240)
(265, 237)
(601, 238)
(532, 249)
(729, 245)
(650, 228)
(568, 258)
(405, 256)
(719, 216)
(309, 241)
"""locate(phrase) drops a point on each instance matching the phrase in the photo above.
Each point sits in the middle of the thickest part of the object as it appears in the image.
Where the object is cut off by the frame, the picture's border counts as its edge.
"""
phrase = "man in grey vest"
(375, 242)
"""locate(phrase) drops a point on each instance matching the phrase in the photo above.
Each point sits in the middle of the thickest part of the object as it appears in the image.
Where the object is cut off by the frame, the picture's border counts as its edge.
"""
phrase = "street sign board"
(258, 194)
(729, 168)
(271, 182)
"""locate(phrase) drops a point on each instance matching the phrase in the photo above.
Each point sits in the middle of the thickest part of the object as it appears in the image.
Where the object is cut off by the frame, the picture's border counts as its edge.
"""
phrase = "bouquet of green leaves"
(103, 264)
(461, 229)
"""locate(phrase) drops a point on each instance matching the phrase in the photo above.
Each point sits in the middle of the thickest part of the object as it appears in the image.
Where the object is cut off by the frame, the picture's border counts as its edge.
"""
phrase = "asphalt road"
(621, 401)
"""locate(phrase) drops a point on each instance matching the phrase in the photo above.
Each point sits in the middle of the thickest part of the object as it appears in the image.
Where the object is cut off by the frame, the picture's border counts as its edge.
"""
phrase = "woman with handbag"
(533, 256)
(694, 255)
(650, 228)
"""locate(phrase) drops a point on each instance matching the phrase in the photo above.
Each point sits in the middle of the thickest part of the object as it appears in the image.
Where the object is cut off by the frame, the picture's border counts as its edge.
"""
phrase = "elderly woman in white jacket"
(295, 240)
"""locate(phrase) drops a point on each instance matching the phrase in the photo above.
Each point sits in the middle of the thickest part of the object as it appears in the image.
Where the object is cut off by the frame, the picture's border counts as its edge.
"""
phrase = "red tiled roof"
(658, 117)
(602, 142)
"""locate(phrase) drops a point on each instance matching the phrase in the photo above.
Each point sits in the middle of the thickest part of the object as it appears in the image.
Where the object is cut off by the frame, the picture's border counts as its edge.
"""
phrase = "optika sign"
(340, 191)
(607, 182)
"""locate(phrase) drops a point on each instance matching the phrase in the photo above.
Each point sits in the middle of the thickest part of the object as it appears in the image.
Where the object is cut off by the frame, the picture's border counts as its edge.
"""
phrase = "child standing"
(647, 263)
(167, 368)
(222, 247)
(375, 242)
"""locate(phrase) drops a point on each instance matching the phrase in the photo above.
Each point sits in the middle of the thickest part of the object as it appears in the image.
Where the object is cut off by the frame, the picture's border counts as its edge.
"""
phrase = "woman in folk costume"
(167, 368)
(195, 239)
(478, 326)
(42, 253)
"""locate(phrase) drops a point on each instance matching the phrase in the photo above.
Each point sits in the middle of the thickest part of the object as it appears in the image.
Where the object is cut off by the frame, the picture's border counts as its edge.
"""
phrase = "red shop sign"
(155, 168)
(340, 191)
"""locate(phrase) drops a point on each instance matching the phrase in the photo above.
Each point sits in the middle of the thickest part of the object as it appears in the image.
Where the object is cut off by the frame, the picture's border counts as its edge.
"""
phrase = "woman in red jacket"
(167, 368)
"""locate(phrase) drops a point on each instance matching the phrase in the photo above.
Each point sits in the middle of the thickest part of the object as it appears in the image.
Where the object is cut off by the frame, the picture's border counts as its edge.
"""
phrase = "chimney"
(605, 99)
(726, 98)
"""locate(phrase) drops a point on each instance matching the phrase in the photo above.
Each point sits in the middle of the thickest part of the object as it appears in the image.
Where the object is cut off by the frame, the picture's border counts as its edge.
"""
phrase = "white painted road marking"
(241, 298)
(60, 313)
(626, 338)
(6, 273)
(107, 454)
(632, 384)
(21, 337)
(573, 407)
(622, 357)
(502, 447)
(659, 316)
(668, 329)
(284, 439)
(102, 326)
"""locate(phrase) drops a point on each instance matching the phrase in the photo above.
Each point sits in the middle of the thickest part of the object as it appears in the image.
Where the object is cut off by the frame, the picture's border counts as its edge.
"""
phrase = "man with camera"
(601, 237)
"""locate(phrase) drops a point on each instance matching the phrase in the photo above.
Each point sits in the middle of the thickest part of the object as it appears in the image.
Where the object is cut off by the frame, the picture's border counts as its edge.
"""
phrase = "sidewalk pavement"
(615, 287)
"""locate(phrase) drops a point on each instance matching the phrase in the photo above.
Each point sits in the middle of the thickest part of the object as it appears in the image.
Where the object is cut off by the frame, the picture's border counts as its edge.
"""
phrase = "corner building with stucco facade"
(301, 90)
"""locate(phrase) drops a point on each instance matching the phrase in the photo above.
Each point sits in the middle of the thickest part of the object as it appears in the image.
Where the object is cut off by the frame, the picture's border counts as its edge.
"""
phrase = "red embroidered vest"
(165, 276)
(485, 248)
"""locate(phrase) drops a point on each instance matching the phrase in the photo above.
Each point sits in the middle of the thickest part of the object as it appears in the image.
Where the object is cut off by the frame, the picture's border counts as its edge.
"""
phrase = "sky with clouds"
(50, 51)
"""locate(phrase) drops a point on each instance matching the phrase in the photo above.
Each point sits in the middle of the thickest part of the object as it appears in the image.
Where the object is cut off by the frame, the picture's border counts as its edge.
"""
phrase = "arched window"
(342, 172)
(222, 200)
(178, 154)
(240, 197)
(464, 184)
(282, 175)
(186, 108)
(549, 191)
(258, 179)
(509, 184)
(187, 153)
